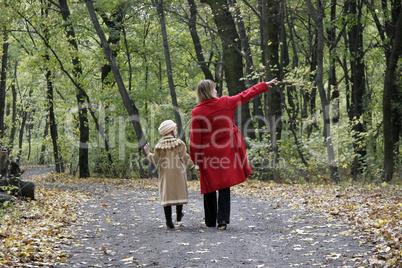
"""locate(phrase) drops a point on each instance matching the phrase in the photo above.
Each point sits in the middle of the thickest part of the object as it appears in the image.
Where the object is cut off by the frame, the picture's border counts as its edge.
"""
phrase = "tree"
(232, 57)
(51, 118)
(355, 33)
(235, 43)
(317, 15)
(128, 103)
(14, 109)
(390, 34)
(333, 90)
(3, 80)
(252, 77)
(192, 25)
(273, 99)
(389, 86)
(81, 96)
(159, 7)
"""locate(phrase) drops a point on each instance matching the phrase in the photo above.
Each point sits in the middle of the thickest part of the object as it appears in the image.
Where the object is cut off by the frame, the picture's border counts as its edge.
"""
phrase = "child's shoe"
(179, 212)
(180, 216)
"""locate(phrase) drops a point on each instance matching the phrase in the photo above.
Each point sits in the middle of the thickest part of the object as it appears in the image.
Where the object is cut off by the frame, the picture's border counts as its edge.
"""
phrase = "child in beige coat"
(172, 158)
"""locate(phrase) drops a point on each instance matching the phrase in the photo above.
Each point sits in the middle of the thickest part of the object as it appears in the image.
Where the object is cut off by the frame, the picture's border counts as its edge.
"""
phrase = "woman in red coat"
(217, 147)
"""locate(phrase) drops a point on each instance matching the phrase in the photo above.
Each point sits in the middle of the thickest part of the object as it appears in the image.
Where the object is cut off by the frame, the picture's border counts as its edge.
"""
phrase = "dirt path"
(126, 228)
(31, 172)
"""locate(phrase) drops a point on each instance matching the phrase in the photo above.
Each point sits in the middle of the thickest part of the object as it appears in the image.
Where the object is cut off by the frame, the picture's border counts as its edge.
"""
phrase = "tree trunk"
(317, 16)
(114, 22)
(192, 24)
(14, 112)
(128, 103)
(358, 80)
(59, 166)
(51, 119)
(3, 80)
(270, 32)
(43, 149)
(82, 108)
(310, 98)
(159, 7)
(252, 77)
(232, 57)
(21, 136)
(151, 169)
(274, 96)
(392, 62)
(29, 136)
(333, 90)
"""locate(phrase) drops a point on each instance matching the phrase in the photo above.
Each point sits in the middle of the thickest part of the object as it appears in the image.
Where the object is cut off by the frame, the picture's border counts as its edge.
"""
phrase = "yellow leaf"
(108, 219)
(23, 254)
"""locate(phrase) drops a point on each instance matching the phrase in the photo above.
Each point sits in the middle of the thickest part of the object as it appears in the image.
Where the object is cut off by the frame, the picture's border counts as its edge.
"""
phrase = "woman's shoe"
(222, 225)
(169, 225)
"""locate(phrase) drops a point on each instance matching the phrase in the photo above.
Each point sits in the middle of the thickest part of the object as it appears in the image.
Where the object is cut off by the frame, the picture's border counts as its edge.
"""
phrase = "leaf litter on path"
(33, 233)
(374, 213)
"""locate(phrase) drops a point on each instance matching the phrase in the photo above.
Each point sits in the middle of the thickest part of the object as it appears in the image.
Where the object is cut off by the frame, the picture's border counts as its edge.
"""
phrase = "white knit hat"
(166, 127)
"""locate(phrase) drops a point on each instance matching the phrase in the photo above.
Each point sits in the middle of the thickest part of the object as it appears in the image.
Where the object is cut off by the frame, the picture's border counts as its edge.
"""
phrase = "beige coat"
(171, 157)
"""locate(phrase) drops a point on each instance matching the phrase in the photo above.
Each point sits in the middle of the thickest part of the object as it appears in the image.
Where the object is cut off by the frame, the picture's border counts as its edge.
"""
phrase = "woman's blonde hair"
(205, 90)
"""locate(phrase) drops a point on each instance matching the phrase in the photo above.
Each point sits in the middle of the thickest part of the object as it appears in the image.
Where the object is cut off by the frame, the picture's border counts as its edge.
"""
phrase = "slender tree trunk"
(14, 112)
(270, 29)
(43, 149)
(59, 166)
(250, 72)
(151, 169)
(3, 80)
(25, 117)
(317, 15)
(29, 127)
(310, 98)
(333, 90)
(264, 47)
(21, 136)
(81, 96)
(192, 24)
(114, 22)
(274, 96)
(159, 7)
(128, 103)
(51, 119)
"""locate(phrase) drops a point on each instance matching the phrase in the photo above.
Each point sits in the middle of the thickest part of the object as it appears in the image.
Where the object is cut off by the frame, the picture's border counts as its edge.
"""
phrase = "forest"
(85, 84)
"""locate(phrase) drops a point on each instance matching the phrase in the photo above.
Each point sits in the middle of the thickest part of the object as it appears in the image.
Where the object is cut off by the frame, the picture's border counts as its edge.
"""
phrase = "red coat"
(216, 144)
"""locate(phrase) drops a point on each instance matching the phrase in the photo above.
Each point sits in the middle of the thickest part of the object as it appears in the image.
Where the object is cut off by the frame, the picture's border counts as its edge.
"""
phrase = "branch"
(252, 9)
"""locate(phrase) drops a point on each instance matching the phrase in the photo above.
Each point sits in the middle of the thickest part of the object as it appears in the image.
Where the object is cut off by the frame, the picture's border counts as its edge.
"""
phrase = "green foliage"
(37, 42)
